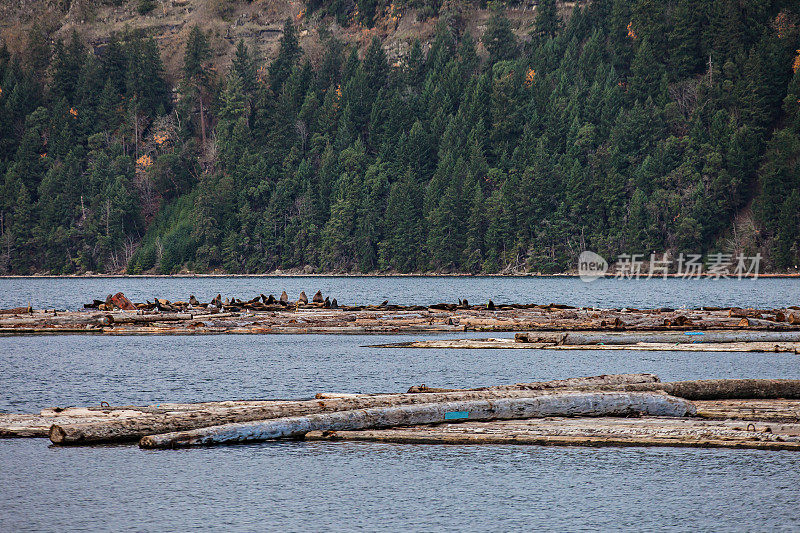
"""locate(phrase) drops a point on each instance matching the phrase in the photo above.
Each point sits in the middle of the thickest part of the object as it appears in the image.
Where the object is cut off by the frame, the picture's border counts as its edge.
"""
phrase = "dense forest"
(626, 126)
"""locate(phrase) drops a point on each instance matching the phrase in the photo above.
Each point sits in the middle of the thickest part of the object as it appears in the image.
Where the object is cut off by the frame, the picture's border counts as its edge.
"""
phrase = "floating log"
(555, 404)
(591, 381)
(678, 432)
(506, 344)
(692, 337)
(723, 389)
(702, 389)
(58, 320)
(16, 311)
(769, 410)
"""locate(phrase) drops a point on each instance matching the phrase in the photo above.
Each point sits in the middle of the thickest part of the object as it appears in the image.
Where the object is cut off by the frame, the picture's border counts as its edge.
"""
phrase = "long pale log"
(556, 404)
(585, 431)
(691, 337)
(709, 389)
(724, 389)
(511, 344)
(591, 381)
(130, 318)
(50, 320)
(134, 428)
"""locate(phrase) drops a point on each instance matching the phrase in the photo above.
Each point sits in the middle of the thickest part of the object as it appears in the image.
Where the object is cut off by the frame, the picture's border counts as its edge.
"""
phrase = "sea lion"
(284, 298)
(303, 299)
(317, 298)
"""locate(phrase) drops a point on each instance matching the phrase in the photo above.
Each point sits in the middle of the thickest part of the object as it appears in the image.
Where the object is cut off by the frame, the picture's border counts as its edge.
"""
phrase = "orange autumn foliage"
(631, 33)
(783, 24)
(144, 161)
(529, 77)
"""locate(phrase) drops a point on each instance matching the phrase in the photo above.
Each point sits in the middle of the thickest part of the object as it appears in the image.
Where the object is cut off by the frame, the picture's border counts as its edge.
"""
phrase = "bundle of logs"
(321, 314)
(624, 409)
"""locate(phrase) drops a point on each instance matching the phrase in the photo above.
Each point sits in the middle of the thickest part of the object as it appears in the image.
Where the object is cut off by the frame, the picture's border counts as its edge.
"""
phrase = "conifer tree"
(196, 81)
(498, 38)
(288, 53)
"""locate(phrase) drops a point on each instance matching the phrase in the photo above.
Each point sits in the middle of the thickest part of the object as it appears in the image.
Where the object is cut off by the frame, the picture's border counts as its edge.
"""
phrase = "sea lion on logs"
(317, 299)
(490, 306)
(284, 298)
(327, 303)
(193, 301)
(303, 299)
(334, 304)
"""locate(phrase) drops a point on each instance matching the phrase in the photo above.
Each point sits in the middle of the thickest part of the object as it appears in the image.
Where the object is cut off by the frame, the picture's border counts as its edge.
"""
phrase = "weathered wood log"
(555, 404)
(757, 322)
(690, 337)
(509, 344)
(59, 320)
(16, 311)
(583, 431)
(605, 379)
(723, 389)
(206, 415)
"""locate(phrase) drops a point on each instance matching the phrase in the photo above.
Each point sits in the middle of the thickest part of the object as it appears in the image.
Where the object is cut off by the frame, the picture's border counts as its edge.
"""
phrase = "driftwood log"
(692, 337)
(724, 389)
(554, 404)
(703, 389)
(584, 431)
(591, 381)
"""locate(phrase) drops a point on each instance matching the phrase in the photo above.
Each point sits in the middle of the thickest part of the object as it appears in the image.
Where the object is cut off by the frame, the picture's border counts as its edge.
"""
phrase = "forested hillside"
(620, 126)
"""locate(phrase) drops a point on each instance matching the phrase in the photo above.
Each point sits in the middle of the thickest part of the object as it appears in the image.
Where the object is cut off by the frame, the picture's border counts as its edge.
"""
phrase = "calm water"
(71, 293)
(296, 486)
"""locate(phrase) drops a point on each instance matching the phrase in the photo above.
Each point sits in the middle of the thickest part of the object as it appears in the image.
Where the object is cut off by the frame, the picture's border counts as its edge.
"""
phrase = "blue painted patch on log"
(455, 415)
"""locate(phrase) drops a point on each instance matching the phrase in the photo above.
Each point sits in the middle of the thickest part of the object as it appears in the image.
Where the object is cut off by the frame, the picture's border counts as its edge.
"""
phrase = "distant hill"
(414, 136)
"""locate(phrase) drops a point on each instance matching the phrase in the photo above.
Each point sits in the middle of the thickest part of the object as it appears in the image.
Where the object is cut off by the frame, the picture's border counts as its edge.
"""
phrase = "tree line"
(633, 126)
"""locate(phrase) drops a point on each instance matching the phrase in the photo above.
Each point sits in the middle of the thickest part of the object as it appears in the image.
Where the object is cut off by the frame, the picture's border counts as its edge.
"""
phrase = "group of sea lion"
(259, 303)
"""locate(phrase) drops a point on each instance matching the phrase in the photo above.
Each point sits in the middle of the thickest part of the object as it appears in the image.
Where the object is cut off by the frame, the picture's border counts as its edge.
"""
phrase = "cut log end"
(57, 434)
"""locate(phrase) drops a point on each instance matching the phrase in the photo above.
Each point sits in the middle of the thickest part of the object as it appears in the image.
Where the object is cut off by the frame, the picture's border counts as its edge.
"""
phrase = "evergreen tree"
(196, 79)
(288, 53)
(498, 38)
(547, 19)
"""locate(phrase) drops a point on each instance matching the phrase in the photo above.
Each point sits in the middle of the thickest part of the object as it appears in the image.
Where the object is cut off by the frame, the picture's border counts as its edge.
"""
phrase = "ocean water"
(71, 293)
(305, 486)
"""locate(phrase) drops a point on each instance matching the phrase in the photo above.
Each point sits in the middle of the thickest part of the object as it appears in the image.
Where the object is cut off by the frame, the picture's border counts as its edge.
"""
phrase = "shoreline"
(779, 275)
